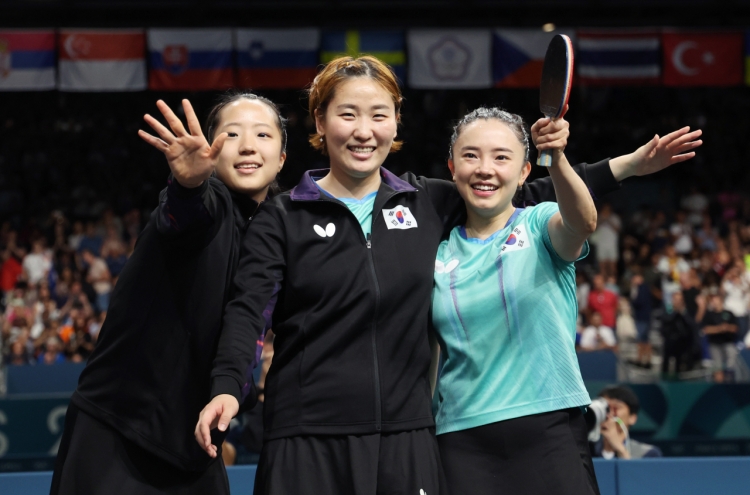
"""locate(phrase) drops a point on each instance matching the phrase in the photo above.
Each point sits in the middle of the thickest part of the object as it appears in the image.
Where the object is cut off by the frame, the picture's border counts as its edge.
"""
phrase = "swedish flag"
(388, 46)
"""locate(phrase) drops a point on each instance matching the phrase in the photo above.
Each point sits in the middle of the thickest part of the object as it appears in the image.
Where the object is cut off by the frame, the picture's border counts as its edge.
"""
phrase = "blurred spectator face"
(596, 319)
(678, 302)
(78, 227)
(87, 256)
(598, 282)
(637, 279)
(669, 251)
(618, 409)
(716, 303)
(252, 155)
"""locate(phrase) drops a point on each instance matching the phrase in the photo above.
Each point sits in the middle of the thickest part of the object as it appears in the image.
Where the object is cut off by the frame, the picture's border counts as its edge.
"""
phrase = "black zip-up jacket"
(149, 375)
(350, 314)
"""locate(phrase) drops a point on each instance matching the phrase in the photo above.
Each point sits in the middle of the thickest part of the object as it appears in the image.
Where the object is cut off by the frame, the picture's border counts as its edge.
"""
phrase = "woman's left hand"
(658, 154)
(549, 134)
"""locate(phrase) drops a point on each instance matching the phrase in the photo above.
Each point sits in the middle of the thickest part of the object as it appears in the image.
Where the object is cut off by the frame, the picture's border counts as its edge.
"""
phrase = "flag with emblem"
(276, 58)
(190, 59)
(98, 60)
(386, 45)
(27, 60)
(618, 57)
(518, 56)
(399, 218)
(450, 58)
(703, 58)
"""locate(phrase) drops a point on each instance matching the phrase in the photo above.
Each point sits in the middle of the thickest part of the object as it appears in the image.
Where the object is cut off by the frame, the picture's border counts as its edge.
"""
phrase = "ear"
(319, 122)
(525, 171)
(452, 168)
(281, 161)
(632, 420)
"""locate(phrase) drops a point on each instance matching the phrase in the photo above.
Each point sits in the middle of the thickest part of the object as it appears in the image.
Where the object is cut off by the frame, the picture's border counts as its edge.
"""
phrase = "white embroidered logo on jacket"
(518, 239)
(399, 218)
(441, 267)
(327, 232)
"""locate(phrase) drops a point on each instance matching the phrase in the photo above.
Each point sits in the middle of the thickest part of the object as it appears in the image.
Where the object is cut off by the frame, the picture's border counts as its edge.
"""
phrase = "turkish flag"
(703, 59)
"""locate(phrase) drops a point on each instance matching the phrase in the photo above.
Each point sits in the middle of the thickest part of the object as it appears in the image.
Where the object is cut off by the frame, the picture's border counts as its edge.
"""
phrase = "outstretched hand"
(190, 157)
(217, 414)
(657, 154)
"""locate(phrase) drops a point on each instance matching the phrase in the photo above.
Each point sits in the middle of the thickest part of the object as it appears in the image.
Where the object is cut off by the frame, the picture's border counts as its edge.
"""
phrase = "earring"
(321, 139)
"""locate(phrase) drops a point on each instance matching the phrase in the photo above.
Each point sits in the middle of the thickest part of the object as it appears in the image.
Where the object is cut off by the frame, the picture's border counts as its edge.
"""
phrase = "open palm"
(190, 157)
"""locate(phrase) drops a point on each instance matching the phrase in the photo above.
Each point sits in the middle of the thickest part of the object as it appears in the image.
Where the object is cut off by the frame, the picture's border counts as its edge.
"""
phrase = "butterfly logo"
(327, 232)
(441, 267)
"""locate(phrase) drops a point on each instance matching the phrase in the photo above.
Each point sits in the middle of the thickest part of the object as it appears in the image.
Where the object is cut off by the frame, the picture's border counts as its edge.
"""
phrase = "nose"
(363, 130)
(247, 145)
(484, 169)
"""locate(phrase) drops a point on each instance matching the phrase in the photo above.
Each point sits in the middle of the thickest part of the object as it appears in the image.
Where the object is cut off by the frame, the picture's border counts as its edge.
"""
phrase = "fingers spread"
(681, 158)
(192, 120)
(172, 120)
(153, 141)
(217, 145)
(162, 131)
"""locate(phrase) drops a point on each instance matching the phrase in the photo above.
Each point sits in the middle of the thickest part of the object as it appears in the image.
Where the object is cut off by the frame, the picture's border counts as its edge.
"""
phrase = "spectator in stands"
(52, 352)
(18, 355)
(80, 343)
(671, 266)
(625, 330)
(37, 263)
(736, 290)
(682, 234)
(11, 259)
(707, 236)
(695, 204)
(99, 277)
(680, 333)
(114, 252)
(615, 440)
(75, 238)
(603, 301)
(597, 337)
(91, 240)
(720, 328)
(640, 298)
(606, 239)
(583, 288)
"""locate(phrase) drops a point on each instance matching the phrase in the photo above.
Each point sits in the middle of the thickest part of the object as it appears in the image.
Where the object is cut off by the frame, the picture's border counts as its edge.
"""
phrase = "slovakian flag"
(277, 58)
(450, 58)
(27, 60)
(98, 60)
(386, 45)
(618, 57)
(190, 59)
(703, 58)
(518, 56)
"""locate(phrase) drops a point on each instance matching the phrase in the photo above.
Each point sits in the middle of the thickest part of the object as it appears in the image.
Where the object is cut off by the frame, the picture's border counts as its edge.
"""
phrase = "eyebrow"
(256, 124)
(476, 148)
(355, 107)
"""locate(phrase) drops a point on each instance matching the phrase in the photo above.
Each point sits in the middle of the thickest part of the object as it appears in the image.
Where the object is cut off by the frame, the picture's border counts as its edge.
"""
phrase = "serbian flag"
(97, 60)
(386, 45)
(518, 56)
(190, 59)
(618, 57)
(27, 60)
(277, 58)
(703, 58)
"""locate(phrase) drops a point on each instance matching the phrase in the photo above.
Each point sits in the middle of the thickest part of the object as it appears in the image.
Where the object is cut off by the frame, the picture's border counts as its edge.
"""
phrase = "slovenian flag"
(98, 60)
(27, 60)
(618, 57)
(518, 56)
(190, 59)
(388, 46)
(277, 58)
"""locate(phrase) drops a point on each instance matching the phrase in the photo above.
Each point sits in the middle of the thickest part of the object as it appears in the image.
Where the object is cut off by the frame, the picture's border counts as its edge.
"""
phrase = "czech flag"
(388, 46)
(277, 58)
(97, 60)
(190, 59)
(518, 56)
(27, 60)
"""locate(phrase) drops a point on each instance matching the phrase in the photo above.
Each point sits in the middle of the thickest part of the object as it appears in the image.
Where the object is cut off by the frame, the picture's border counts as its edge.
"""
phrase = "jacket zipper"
(378, 405)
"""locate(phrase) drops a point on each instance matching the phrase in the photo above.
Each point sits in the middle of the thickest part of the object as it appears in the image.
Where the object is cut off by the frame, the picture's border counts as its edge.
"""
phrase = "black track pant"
(405, 463)
(533, 455)
(95, 459)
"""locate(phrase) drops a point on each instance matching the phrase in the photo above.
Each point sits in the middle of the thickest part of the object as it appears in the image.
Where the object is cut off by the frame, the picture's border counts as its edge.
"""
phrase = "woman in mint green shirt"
(504, 308)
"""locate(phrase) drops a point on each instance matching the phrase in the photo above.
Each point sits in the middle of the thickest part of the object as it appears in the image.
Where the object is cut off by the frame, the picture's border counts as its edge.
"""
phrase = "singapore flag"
(703, 58)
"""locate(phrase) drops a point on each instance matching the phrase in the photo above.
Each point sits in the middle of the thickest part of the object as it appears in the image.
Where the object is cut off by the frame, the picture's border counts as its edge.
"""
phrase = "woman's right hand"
(190, 157)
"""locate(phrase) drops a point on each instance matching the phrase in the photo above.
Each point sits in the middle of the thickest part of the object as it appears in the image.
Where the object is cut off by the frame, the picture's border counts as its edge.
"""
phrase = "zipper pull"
(369, 241)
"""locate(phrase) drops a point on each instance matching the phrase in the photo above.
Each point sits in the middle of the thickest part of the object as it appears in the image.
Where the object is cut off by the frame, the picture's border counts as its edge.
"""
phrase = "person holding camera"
(615, 441)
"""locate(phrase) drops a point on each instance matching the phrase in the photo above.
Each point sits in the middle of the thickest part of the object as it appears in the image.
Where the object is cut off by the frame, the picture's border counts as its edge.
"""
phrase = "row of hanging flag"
(210, 59)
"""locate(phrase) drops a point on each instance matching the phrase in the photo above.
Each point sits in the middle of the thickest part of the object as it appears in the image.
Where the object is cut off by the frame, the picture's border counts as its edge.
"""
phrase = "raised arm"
(576, 220)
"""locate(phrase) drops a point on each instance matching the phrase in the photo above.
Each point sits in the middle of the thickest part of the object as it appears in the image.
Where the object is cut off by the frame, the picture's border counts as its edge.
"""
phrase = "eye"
(348, 115)
(264, 135)
(502, 158)
(469, 155)
(380, 116)
(232, 134)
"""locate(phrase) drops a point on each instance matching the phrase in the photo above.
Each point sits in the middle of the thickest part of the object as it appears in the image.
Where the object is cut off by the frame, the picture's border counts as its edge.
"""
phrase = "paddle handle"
(545, 158)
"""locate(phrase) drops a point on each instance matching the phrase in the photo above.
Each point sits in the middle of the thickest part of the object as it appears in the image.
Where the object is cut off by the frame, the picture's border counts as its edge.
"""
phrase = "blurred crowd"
(680, 282)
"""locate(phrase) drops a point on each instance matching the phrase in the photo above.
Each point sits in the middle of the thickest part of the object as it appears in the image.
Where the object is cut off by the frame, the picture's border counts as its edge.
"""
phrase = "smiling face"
(251, 156)
(488, 165)
(359, 126)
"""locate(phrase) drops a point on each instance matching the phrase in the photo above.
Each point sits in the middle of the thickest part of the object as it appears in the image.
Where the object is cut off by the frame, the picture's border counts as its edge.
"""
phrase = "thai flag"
(618, 57)
(27, 60)
(190, 59)
(277, 58)
(518, 56)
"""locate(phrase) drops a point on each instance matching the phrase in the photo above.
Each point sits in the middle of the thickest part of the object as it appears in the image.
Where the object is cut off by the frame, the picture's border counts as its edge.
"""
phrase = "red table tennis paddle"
(557, 78)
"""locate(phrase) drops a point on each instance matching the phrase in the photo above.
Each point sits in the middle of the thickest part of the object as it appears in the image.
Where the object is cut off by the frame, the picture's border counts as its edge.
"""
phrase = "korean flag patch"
(399, 218)
(518, 239)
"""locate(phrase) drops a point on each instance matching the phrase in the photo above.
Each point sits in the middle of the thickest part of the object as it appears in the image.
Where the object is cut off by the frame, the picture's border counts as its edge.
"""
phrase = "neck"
(483, 227)
(342, 185)
(259, 196)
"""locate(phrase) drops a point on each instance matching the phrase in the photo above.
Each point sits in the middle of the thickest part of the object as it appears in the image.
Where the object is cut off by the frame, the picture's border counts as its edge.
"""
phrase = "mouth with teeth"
(484, 190)
(362, 152)
(247, 167)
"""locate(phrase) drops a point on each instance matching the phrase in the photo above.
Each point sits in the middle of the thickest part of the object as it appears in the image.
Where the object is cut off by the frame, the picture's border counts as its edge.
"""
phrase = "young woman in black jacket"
(344, 263)
(130, 421)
